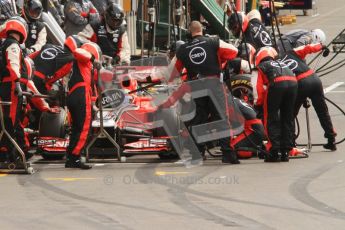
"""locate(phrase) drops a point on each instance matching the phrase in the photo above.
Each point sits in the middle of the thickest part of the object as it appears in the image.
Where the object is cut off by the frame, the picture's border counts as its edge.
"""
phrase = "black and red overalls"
(37, 35)
(202, 57)
(51, 64)
(257, 35)
(13, 69)
(113, 43)
(79, 104)
(278, 100)
(254, 131)
(309, 85)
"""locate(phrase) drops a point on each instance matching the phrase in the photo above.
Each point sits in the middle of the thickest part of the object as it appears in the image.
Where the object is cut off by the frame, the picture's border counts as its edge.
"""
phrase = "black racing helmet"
(114, 16)
(32, 9)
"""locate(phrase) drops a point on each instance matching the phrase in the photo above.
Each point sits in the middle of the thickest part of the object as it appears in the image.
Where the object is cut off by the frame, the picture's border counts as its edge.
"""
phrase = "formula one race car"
(129, 95)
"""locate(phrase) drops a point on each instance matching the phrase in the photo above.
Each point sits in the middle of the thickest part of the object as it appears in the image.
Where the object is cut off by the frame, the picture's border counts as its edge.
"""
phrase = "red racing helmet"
(265, 52)
(94, 49)
(73, 42)
(17, 25)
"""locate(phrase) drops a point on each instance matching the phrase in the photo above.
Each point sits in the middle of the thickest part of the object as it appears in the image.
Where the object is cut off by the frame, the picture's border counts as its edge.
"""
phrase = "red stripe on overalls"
(305, 75)
(269, 145)
(14, 99)
(86, 126)
(247, 131)
(227, 109)
(14, 105)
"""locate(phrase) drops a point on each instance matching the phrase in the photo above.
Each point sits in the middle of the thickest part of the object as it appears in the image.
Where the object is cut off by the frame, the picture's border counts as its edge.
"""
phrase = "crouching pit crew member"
(251, 139)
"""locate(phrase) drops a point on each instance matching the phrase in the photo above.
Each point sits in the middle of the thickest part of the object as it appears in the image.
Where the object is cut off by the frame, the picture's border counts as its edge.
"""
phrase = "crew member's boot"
(230, 157)
(73, 161)
(284, 156)
(330, 144)
(273, 156)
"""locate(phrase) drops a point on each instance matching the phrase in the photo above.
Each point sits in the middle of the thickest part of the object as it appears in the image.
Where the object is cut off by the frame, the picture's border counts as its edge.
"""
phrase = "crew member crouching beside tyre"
(79, 102)
(251, 139)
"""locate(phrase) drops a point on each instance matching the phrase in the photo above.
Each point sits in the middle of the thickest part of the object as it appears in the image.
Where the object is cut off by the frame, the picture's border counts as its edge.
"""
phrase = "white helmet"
(254, 14)
(318, 36)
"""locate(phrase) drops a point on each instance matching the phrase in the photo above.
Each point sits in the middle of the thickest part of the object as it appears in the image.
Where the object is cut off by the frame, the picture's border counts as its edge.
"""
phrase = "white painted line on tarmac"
(337, 91)
(331, 87)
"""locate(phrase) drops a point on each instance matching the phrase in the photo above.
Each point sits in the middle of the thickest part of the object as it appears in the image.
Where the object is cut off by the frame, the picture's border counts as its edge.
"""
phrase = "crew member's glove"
(326, 51)
(97, 65)
(18, 89)
(259, 111)
(116, 60)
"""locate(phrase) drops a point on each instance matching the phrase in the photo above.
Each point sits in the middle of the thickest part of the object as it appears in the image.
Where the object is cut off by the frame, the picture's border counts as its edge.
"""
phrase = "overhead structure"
(213, 13)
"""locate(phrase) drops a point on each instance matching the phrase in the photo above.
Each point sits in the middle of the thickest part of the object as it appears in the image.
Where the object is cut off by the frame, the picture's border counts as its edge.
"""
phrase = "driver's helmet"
(114, 16)
(32, 10)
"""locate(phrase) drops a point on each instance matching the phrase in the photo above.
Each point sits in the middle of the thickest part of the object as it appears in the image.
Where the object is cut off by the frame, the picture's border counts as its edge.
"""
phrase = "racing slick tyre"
(53, 124)
(160, 132)
(241, 87)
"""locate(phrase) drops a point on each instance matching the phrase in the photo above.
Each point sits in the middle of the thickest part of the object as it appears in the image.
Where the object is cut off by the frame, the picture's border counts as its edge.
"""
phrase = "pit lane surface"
(147, 194)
